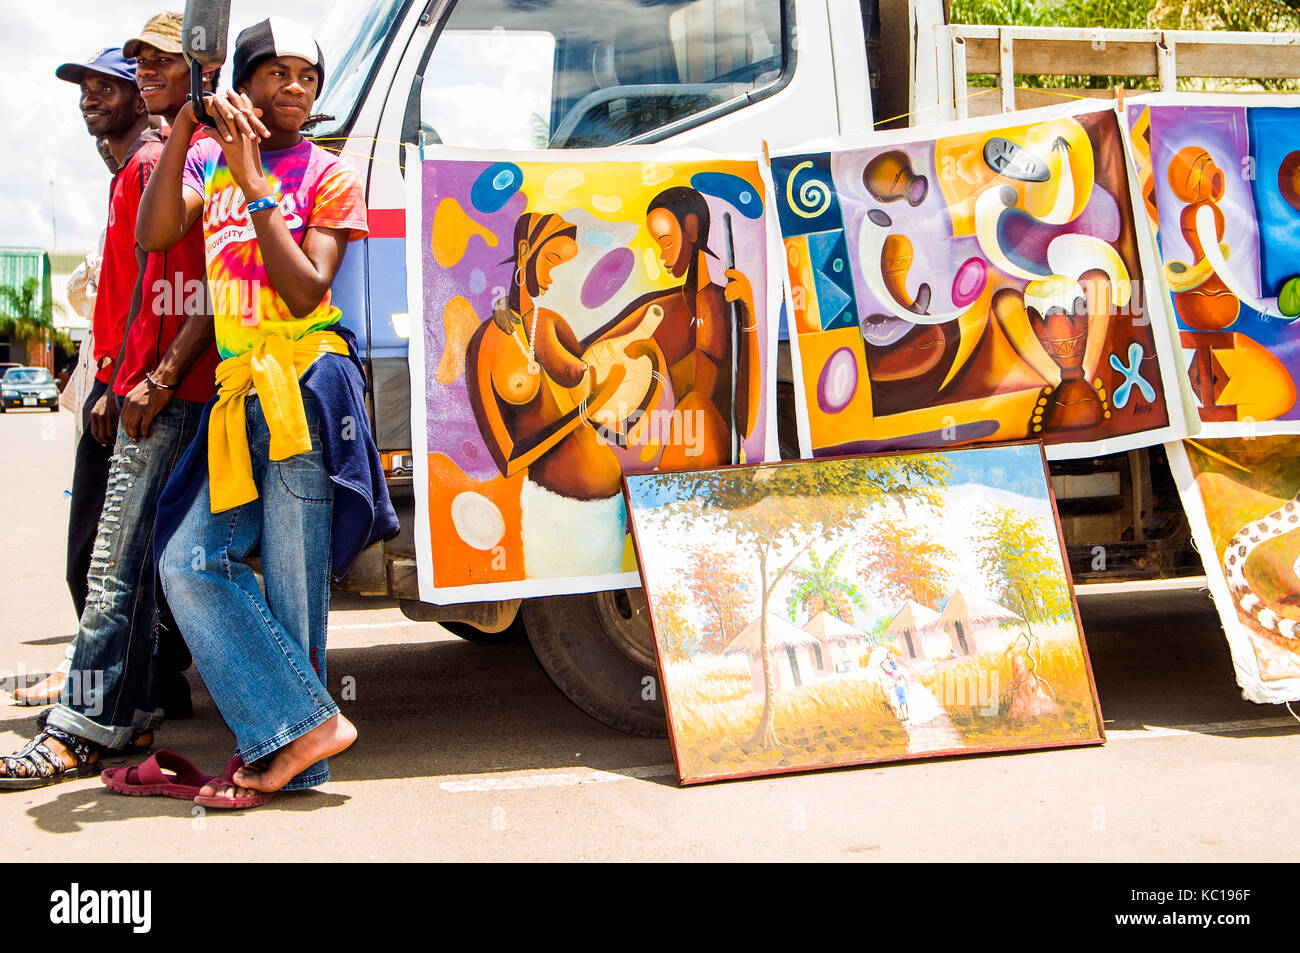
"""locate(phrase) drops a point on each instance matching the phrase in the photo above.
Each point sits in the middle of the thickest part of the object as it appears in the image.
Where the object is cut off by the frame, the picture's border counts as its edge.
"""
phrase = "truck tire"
(471, 633)
(598, 650)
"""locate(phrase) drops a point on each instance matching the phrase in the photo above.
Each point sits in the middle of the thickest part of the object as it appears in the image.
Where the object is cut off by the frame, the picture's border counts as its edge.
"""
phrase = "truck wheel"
(598, 650)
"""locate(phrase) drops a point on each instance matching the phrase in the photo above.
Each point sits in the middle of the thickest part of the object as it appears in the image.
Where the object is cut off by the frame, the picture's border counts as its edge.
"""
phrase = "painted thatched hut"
(794, 653)
(972, 622)
(917, 629)
(837, 639)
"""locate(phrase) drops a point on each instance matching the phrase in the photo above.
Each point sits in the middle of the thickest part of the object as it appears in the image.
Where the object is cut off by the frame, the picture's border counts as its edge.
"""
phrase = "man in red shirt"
(168, 351)
(113, 110)
(159, 363)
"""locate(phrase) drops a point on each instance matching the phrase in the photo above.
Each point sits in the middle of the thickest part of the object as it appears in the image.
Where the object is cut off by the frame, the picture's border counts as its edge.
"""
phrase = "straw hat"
(163, 32)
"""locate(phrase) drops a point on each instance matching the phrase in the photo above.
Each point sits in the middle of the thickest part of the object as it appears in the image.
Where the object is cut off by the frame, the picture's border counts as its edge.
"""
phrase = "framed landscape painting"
(835, 612)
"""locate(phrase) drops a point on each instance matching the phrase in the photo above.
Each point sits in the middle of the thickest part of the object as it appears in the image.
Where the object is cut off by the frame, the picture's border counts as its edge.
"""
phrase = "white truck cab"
(559, 74)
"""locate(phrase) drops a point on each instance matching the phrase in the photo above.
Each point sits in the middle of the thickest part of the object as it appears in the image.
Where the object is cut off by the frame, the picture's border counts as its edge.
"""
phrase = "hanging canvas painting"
(842, 611)
(1241, 498)
(1220, 179)
(578, 315)
(980, 282)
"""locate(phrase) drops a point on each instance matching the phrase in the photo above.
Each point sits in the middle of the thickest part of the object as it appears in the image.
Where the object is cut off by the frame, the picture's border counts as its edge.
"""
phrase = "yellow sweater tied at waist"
(273, 367)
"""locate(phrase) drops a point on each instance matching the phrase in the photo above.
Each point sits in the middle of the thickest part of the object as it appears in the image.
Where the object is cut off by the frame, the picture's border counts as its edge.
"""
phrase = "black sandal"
(42, 766)
(140, 743)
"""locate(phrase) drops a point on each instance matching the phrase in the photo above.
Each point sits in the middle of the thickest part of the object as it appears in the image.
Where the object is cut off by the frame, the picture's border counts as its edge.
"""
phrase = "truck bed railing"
(1167, 55)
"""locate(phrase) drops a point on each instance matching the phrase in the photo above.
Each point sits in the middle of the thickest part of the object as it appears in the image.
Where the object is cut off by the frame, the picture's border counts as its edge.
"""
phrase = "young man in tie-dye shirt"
(277, 214)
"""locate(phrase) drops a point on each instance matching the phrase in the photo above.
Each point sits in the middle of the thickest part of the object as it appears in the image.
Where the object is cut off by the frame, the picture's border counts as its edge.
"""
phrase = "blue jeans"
(111, 693)
(262, 657)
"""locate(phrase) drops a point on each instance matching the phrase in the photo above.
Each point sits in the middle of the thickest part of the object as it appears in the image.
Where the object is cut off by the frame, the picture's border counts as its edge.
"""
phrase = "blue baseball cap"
(109, 61)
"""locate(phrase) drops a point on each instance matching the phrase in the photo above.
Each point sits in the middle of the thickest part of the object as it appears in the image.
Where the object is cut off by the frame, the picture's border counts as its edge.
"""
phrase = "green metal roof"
(19, 264)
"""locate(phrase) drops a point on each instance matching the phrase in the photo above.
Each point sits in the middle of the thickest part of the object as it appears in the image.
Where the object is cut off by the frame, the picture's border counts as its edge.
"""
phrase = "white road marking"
(553, 779)
(1136, 586)
(376, 625)
(562, 778)
(1172, 731)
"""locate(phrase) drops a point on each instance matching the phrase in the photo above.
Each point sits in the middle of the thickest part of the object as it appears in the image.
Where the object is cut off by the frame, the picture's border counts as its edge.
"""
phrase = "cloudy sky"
(47, 138)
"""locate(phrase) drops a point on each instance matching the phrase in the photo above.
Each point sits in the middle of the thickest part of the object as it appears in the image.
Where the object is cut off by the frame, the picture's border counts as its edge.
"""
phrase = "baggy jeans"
(111, 692)
(261, 656)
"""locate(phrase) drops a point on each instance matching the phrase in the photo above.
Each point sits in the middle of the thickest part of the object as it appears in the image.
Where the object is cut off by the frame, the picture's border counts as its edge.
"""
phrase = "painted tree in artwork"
(723, 591)
(673, 627)
(1021, 565)
(818, 587)
(1024, 572)
(899, 560)
(772, 516)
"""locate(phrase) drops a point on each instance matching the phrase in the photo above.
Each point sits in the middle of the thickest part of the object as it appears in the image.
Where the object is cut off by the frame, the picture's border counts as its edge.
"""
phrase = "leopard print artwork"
(1285, 519)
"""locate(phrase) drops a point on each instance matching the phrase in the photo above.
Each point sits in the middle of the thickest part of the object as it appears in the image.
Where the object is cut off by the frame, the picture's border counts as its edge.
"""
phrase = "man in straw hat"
(167, 365)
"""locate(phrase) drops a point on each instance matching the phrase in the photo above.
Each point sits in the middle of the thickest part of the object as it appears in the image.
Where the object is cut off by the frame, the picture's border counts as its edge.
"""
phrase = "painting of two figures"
(844, 611)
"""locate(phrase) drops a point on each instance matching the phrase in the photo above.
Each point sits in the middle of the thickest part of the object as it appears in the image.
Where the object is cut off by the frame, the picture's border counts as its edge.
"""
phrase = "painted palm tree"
(819, 587)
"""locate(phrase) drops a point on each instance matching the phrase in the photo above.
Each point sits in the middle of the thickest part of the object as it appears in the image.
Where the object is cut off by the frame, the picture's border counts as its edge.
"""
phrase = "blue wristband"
(266, 201)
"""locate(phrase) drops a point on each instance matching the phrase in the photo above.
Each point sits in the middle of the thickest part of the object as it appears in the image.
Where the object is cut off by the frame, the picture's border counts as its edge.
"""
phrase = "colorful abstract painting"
(984, 283)
(831, 612)
(1241, 496)
(1221, 183)
(577, 315)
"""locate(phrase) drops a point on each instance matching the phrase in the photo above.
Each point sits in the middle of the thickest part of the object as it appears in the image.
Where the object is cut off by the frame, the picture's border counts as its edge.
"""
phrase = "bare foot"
(323, 741)
(44, 692)
(213, 789)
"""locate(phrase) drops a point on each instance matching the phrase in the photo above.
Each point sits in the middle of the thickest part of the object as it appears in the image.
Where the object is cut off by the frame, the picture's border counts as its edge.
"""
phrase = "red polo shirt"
(119, 271)
(175, 286)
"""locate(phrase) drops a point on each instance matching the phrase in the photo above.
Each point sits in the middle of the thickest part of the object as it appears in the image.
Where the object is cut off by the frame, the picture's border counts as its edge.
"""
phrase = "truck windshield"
(352, 36)
(578, 73)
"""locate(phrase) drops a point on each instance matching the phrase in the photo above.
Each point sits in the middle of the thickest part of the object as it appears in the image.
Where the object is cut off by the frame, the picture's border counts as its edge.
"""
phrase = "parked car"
(28, 387)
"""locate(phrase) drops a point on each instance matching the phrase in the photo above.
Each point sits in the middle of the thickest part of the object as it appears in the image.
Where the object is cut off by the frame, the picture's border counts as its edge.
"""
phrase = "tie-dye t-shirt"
(314, 189)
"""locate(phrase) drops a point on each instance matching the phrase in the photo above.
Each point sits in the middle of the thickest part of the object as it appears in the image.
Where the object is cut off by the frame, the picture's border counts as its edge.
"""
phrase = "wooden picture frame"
(823, 699)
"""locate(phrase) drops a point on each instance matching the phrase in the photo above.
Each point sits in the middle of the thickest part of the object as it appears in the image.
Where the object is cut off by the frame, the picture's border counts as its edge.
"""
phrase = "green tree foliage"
(819, 587)
(1021, 567)
(1024, 572)
(20, 316)
(777, 513)
(1247, 16)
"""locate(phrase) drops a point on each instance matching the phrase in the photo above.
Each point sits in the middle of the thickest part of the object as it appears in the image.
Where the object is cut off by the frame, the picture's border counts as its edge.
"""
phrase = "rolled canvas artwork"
(834, 612)
(1242, 497)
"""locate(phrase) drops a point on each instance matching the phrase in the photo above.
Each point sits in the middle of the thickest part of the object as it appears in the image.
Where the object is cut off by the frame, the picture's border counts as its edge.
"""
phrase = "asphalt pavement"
(469, 753)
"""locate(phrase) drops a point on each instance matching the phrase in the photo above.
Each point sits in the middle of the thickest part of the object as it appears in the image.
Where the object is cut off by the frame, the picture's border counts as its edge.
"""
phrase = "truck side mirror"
(203, 38)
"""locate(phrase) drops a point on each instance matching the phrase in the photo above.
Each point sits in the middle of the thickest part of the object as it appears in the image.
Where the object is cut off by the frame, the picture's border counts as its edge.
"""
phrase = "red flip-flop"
(227, 802)
(165, 773)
